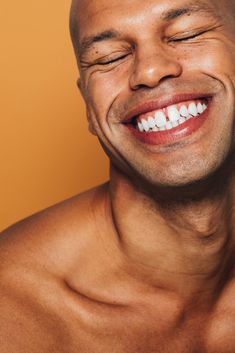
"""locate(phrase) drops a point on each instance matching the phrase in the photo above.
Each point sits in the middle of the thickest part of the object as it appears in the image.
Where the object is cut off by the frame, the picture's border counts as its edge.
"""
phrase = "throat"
(183, 247)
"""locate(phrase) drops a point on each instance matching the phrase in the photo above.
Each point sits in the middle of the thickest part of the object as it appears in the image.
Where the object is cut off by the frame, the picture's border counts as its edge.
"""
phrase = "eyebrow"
(187, 10)
(169, 15)
(87, 42)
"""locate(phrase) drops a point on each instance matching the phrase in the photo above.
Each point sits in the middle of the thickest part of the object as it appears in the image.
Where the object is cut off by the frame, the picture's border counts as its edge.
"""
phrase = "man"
(144, 263)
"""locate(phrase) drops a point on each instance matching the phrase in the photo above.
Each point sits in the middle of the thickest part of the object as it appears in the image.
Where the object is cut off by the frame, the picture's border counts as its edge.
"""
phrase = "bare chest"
(73, 324)
(144, 330)
(101, 328)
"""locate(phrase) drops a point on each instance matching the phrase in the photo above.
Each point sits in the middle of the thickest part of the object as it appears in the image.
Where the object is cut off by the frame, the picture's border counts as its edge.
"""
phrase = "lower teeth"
(169, 126)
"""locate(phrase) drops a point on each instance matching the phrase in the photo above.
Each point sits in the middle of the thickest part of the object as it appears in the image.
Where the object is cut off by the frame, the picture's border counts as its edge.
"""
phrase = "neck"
(181, 244)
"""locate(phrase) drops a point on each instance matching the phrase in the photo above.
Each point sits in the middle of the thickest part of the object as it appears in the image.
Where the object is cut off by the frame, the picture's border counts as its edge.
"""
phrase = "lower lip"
(173, 135)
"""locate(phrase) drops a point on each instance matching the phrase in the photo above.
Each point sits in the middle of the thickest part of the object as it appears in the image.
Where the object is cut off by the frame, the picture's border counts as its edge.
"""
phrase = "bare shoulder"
(36, 255)
(45, 234)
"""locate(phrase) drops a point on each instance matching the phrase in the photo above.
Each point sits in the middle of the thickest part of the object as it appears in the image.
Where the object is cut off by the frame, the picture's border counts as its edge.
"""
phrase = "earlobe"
(79, 84)
(90, 126)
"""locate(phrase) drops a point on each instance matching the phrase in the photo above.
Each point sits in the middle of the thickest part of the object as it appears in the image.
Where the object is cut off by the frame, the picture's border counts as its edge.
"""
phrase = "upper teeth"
(173, 113)
(176, 116)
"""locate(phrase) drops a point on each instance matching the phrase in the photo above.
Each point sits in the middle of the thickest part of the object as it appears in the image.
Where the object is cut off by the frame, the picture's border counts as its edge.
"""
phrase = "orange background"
(46, 152)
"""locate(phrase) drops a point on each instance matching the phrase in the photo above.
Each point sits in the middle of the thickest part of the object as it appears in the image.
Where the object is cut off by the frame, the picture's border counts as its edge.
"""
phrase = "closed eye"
(111, 61)
(188, 37)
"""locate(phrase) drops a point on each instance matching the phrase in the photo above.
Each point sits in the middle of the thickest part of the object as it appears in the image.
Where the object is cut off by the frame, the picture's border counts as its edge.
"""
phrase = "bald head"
(79, 6)
(73, 24)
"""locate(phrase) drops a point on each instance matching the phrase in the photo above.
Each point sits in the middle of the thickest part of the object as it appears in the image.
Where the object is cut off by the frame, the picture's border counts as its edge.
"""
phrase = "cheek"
(104, 88)
(215, 60)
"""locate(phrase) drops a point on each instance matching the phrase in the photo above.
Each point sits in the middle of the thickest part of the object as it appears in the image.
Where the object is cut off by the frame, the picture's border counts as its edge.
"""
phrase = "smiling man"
(146, 262)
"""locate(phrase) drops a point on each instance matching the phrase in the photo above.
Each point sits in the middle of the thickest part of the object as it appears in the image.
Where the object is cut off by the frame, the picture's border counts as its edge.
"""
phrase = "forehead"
(91, 17)
(95, 12)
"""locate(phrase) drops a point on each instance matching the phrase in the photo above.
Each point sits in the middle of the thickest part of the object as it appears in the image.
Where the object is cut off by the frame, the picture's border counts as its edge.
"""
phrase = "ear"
(79, 84)
(90, 125)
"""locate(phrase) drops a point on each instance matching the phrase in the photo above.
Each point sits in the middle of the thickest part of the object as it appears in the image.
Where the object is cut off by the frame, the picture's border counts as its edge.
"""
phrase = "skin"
(144, 263)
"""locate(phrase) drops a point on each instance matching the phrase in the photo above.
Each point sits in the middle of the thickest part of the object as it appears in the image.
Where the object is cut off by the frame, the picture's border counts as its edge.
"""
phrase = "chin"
(187, 179)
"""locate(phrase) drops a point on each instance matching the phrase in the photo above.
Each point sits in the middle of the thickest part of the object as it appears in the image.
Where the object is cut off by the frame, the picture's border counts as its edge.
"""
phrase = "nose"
(153, 66)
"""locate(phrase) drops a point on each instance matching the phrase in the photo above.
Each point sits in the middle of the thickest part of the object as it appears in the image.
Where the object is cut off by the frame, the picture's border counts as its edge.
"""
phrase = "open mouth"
(170, 123)
(169, 117)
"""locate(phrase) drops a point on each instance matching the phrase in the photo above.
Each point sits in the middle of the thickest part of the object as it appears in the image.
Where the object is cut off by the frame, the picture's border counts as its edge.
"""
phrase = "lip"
(173, 135)
(162, 102)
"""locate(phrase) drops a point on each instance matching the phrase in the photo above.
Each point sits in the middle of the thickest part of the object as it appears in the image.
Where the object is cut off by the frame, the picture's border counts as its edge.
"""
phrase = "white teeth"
(200, 108)
(173, 113)
(192, 109)
(145, 125)
(184, 111)
(151, 122)
(160, 119)
(140, 126)
(175, 117)
(175, 123)
(169, 125)
(182, 120)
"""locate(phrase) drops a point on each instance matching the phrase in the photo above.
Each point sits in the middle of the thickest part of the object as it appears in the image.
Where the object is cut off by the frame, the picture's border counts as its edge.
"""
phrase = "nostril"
(149, 71)
(141, 86)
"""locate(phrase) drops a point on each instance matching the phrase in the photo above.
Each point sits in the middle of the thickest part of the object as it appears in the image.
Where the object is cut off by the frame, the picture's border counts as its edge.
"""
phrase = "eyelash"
(109, 62)
(195, 35)
(112, 60)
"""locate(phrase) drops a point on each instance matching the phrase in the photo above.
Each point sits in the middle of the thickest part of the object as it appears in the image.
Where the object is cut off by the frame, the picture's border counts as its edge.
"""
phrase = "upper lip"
(161, 103)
